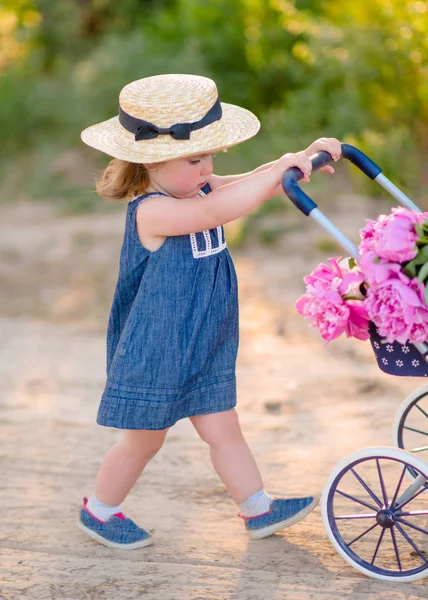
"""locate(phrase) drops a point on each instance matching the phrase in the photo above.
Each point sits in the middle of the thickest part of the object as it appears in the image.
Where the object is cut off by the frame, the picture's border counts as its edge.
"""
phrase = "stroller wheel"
(410, 428)
(375, 519)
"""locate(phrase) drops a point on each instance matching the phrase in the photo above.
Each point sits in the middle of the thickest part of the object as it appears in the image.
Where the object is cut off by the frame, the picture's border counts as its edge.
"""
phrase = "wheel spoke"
(413, 513)
(421, 409)
(378, 545)
(366, 487)
(397, 555)
(362, 516)
(412, 526)
(398, 486)
(410, 499)
(406, 537)
(363, 534)
(366, 504)
(382, 483)
(415, 430)
(420, 449)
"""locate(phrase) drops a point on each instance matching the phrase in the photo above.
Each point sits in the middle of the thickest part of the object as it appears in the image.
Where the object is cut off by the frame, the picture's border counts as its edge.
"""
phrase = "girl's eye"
(194, 162)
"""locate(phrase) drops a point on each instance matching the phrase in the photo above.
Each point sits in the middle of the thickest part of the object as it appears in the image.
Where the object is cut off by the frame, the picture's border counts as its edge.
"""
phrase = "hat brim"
(236, 125)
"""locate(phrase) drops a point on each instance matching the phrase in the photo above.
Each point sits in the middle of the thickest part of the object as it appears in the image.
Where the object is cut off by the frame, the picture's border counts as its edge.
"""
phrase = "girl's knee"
(218, 428)
(144, 442)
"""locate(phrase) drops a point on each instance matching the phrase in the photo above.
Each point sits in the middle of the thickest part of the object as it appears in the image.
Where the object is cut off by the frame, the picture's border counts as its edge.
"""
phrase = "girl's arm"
(331, 145)
(163, 216)
(216, 181)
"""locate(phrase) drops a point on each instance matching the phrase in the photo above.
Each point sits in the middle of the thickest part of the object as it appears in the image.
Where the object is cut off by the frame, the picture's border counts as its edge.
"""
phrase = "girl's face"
(182, 177)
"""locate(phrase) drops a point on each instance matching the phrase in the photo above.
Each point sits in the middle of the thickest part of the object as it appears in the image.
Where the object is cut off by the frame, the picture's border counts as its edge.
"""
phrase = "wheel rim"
(413, 429)
(380, 533)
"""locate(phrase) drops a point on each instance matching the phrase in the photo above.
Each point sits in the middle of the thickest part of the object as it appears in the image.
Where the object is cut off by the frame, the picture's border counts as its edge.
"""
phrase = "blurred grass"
(306, 69)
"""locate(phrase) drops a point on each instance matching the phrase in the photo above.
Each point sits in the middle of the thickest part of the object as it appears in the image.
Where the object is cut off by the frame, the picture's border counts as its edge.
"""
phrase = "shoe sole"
(141, 544)
(270, 529)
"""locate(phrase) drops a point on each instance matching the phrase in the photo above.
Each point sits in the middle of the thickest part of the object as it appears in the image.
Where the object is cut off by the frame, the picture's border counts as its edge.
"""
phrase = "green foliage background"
(353, 70)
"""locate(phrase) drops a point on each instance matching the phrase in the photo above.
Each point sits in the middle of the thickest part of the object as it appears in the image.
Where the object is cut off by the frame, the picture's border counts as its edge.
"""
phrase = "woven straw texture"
(165, 100)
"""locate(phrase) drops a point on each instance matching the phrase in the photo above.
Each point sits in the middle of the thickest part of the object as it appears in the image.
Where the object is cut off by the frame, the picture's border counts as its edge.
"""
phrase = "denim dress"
(172, 335)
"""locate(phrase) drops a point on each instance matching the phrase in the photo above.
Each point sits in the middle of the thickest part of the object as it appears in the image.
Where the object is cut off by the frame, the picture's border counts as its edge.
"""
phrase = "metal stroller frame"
(388, 510)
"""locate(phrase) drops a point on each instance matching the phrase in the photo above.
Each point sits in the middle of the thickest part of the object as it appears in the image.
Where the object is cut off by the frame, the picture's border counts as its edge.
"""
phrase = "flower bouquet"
(384, 296)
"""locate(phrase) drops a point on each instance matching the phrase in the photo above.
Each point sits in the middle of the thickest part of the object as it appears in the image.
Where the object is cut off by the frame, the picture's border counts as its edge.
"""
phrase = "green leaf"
(421, 257)
(419, 230)
(351, 263)
(423, 273)
(410, 269)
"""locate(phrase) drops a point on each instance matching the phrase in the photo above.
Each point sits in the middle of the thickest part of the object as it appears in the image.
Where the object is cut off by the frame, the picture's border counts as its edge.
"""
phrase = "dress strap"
(145, 196)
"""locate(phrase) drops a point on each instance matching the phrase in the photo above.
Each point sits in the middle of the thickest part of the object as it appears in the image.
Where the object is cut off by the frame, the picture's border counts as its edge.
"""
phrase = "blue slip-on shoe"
(282, 514)
(117, 532)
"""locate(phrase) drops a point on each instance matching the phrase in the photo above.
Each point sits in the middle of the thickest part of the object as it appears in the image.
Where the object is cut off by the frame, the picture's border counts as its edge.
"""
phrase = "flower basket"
(382, 297)
(393, 358)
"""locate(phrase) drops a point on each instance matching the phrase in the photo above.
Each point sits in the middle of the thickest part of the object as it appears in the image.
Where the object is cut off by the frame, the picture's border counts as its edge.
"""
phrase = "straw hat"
(170, 116)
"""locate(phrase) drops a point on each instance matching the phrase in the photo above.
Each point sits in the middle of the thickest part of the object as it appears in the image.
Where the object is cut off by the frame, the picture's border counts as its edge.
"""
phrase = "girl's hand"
(300, 160)
(330, 145)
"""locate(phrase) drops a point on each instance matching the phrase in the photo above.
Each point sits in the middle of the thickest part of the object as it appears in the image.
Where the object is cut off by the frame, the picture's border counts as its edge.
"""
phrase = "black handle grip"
(361, 160)
(292, 188)
(321, 159)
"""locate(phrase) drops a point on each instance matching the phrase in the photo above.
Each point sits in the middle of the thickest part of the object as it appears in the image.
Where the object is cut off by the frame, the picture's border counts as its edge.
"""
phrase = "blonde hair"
(122, 179)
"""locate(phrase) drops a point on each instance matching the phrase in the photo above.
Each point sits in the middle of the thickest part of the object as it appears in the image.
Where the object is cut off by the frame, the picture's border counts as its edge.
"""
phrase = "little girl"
(172, 335)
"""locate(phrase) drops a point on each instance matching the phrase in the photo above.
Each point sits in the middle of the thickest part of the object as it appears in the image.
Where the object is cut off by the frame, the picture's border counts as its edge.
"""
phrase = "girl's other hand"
(330, 145)
(300, 160)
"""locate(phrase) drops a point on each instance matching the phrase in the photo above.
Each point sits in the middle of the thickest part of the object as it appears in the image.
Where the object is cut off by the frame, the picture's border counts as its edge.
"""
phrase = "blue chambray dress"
(172, 335)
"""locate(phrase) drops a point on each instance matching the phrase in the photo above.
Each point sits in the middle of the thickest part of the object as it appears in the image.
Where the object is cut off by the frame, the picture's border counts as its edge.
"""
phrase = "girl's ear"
(153, 166)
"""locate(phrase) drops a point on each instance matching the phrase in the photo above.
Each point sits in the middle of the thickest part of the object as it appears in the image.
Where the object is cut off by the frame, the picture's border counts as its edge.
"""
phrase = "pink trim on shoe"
(120, 516)
(85, 508)
(254, 516)
(241, 516)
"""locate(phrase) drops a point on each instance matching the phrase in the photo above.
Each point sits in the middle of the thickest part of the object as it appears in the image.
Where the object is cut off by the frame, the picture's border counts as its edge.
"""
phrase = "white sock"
(100, 510)
(257, 504)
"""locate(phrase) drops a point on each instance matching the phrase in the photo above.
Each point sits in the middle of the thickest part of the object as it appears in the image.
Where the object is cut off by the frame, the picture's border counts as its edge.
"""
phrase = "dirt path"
(302, 406)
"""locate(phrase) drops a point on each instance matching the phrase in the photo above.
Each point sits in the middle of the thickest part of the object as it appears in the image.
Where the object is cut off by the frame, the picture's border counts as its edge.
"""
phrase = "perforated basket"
(397, 359)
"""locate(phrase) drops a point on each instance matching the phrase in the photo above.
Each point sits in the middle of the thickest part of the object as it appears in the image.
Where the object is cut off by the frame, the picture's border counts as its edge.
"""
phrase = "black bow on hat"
(148, 131)
(144, 130)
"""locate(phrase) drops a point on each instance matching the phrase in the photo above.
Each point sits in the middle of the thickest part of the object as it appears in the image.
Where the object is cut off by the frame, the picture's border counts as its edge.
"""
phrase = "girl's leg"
(235, 464)
(230, 454)
(124, 463)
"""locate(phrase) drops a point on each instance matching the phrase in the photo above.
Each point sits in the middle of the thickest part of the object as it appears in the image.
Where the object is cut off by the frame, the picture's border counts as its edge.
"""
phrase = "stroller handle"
(319, 160)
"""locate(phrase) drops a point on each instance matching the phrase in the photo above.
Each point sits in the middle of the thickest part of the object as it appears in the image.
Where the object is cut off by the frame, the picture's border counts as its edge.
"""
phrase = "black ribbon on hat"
(144, 130)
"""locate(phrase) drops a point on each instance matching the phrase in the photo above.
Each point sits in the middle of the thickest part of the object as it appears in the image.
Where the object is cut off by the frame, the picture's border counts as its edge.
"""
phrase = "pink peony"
(336, 301)
(397, 308)
(324, 275)
(369, 234)
(325, 304)
(397, 240)
(358, 323)
(392, 237)
(326, 312)
(336, 276)
(377, 271)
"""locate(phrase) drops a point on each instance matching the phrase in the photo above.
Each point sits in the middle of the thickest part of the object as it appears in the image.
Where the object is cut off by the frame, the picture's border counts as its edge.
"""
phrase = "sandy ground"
(303, 407)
